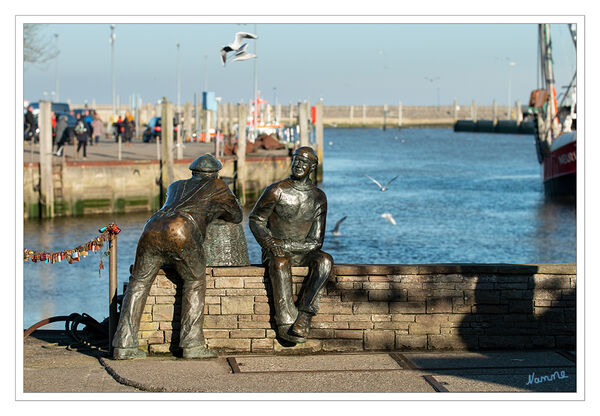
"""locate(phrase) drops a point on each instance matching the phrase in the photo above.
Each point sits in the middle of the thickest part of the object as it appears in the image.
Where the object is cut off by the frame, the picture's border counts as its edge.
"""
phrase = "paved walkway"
(107, 150)
(51, 364)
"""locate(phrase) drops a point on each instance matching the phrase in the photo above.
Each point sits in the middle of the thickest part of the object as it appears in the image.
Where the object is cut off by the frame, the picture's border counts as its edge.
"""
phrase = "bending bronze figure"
(173, 236)
(288, 221)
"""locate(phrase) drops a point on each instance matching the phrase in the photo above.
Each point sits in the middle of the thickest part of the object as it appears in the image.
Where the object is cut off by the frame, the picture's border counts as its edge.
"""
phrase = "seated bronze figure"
(173, 236)
(288, 221)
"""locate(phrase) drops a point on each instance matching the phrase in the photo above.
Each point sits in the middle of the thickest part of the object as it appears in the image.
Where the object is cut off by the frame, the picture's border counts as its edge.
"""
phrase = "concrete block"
(403, 318)
(381, 318)
(411, 342)
(322, 333)
(220, 321)
(245, 292)
(348, 333)
(391, 325)
(435, 319)
(236, 345)
(247, 271)
(163, 312)
(551, 282)
(388, 295)
(342, 345)
(334, 325)
(262, 308)
(360, 325)
(423, 329)
(159, 348)
(148, 326)
(254, 324)
(262, 345)
(439, 305)
(212, 309)
(407, 307)
(349, 318)
(353, 296)
(216, 333)
(343, 308)
(229, 282)
(380, 340)
(234, 305)
(370, 308)
(247, 333)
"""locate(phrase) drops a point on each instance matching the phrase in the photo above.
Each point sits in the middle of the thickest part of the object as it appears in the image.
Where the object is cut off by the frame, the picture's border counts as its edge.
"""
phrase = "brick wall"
(382, 307)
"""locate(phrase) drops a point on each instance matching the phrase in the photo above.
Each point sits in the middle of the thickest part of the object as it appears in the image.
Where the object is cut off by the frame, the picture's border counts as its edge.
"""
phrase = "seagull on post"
(236, 45)
(383, 187)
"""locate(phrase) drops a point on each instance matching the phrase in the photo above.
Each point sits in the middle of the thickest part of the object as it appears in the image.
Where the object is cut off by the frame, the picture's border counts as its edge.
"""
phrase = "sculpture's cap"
(206, 163)
(307, 152)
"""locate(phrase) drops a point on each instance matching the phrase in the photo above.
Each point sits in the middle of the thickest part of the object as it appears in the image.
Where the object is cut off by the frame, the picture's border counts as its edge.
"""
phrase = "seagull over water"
(236, 45)
(383, 187)
(389, 217)
(336, 229)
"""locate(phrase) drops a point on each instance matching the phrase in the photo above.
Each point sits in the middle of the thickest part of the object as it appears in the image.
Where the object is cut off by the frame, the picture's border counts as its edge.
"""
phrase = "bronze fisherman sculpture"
(288, 221)
(174, 236)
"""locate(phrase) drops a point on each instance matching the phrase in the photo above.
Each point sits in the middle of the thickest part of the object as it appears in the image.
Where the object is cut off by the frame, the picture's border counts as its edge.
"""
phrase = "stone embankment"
(381, 308)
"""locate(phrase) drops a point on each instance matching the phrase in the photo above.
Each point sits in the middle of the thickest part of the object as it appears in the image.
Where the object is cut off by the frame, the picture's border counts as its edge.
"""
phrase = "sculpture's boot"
(198, 352)
(302, 325)
(128, 353)
(283, 331)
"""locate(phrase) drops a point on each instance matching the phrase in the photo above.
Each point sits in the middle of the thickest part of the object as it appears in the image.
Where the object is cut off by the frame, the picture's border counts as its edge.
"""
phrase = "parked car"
(56, 107)
(153, 129)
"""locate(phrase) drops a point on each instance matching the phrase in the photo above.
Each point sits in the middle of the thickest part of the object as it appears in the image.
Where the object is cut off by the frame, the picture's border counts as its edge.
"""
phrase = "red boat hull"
(560, 171)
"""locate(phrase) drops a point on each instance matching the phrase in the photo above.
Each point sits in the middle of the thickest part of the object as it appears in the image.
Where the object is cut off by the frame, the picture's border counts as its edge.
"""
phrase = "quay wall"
(93, 187)
(380, 308)
(352, 115)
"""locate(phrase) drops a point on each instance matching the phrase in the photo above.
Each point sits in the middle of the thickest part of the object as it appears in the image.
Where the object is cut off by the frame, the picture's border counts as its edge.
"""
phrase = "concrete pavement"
(52, 364)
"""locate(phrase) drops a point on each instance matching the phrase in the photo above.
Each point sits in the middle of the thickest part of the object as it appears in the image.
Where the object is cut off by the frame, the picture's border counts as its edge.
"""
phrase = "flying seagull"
(336, 229)
(242, 55)
(383, 187)
(236, 45)
(389, 217)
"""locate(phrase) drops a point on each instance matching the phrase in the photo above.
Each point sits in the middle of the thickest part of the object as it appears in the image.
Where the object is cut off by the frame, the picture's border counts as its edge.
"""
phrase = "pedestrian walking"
(83, 135)
(62, 134)
(98, 129)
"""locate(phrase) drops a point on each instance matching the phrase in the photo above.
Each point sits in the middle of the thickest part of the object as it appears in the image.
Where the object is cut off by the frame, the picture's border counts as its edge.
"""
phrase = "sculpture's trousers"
(280, 272)
(193, 272)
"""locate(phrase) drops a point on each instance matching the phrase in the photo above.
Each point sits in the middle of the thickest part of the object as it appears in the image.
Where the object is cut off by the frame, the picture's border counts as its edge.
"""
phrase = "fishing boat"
(555, 124)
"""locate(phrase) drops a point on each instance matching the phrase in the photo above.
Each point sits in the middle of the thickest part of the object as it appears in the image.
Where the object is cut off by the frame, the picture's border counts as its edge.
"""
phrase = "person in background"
(53, 122)
(128, 129)
(97, 128)
(62, 134)
(29, 124)
(82, 133)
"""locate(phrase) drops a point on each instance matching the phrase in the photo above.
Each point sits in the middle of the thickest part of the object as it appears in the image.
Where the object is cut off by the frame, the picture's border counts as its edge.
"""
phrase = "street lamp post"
(509, 106)
(178, 82)
(57, 53)
(112, 63)
(435, 88)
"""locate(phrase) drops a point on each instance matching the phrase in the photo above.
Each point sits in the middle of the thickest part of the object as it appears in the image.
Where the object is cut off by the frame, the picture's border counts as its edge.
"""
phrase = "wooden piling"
(167, 170)
(319, 139)
(495, 116)
(399, 114)
(291, 118)
(46, 177)
(351, 115)
(112, 291)
(364, 115)
(474, 111)
(385, 112)
(455, 110)
(241, 154)
(187, 121)
(303, 123)
(519, 112)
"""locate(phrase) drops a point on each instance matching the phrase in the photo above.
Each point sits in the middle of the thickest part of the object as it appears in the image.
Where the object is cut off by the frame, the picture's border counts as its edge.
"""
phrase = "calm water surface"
(459, 197)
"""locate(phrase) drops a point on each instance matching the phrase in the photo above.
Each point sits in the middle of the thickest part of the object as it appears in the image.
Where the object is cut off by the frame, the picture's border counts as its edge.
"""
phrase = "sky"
(342, 63)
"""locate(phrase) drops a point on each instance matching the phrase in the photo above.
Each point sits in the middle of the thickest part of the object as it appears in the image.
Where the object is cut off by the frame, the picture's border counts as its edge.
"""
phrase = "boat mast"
(549, 84)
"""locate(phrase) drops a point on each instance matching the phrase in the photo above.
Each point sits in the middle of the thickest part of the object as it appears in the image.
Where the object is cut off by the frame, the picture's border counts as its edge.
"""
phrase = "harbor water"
(458, 198)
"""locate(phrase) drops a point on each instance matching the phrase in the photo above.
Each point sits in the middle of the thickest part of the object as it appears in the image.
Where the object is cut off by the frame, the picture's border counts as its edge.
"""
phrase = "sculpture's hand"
(277, 248)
